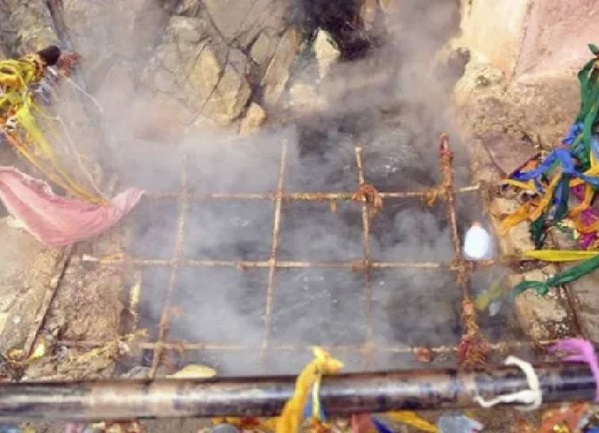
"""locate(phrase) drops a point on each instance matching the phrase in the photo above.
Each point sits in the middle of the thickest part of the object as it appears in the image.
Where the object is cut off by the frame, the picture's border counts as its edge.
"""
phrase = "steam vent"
(299, 216)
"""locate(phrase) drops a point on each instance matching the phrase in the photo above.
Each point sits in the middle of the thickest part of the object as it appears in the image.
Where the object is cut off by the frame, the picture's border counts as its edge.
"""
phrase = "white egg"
(477, 243)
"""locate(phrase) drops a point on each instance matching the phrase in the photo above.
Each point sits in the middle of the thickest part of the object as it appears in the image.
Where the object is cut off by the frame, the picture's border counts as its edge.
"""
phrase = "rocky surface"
(158, 67)
(493, 104)
(26, 270)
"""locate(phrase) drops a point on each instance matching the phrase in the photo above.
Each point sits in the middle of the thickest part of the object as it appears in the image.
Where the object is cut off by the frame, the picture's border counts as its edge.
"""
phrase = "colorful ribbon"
(559, 255)
(574, 164)
(567, 276)
(291, 417)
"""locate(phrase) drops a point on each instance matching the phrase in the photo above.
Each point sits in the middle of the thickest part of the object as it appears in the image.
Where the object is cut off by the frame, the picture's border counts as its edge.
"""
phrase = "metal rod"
(300, 196)
(368, 295)
(264, 397)
(272, 262)
(172, 284)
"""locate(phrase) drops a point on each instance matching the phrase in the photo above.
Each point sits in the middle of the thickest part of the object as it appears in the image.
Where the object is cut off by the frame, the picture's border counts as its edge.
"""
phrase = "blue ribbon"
(595, 147)
(573, 133)
(380, 426)
(567, 163)
(309, 408)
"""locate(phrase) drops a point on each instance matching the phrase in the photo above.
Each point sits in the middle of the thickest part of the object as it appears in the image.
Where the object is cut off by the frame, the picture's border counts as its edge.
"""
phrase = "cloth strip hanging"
(57, 221)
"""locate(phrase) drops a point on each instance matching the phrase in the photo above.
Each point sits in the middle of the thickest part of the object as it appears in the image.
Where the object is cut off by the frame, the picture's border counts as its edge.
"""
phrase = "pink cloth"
(58, 221)
(588, 216)
(579, 350)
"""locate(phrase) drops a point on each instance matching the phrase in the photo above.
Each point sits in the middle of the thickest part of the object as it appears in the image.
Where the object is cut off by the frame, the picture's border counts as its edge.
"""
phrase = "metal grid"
(368, 198)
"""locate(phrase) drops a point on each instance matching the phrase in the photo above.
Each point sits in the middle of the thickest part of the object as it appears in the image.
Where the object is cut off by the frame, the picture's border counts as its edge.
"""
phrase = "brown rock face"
(254, 119)
(530, 36)
(277, 74)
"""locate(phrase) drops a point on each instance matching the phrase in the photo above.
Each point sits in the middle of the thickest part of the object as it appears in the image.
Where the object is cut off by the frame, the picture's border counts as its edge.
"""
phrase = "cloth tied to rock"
(58, 221)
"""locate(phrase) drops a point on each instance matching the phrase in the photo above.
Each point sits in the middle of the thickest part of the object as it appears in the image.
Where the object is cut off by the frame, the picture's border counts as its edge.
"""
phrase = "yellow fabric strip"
(515, 218)
(559, 255)
(411, 419)
(291, 417)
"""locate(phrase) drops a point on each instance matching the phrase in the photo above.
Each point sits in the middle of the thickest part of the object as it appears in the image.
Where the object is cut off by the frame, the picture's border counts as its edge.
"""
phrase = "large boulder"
(241, 21)
(194, 65)
(26, 26)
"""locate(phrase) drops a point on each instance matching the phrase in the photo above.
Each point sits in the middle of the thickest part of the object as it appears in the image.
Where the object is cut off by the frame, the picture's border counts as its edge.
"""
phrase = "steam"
(390, 103)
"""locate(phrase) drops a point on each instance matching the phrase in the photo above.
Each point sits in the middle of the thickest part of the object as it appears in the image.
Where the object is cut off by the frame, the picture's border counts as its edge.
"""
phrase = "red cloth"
(362, 423)
(58, 221)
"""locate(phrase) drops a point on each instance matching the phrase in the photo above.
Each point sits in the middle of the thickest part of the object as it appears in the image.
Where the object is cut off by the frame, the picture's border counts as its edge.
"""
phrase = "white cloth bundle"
(478, 244)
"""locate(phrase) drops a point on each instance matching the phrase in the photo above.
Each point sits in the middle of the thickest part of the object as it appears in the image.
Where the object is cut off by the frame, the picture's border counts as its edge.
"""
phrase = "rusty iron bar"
(272, 262)
(366, 266)
(346, 394)
(181, 220)
(357, 265)
(446, 162)
(473, 345)
(500, 347)
(301, 196)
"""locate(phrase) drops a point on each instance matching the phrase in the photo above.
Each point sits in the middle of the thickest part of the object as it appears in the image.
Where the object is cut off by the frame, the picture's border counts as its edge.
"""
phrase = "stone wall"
(530, 36)
(525, 55)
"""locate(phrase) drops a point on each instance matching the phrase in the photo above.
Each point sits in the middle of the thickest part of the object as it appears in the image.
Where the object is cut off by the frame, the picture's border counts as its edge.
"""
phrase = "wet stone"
(508, 154)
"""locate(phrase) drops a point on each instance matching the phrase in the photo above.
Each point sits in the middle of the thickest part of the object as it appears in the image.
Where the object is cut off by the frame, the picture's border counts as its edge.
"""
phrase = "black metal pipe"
(265, 396)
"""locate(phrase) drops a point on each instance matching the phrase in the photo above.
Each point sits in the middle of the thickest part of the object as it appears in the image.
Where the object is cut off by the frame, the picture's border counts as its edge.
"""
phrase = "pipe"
(265, 396)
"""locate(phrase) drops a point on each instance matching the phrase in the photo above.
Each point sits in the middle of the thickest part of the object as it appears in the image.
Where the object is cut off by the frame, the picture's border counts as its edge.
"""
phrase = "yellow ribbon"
(527, 186)
(291, 417)
(515, 218)
(17, 103)
(559, 255)
(411, 419)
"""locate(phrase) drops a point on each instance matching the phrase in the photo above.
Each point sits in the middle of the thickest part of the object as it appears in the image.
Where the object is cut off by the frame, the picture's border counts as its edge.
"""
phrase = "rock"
(32, 26)
(263, 49)
(253, 120)
(159, 118)
(509, 155)
(241, 21)
(204, 77)
(387, 5)
(188, 8)
(541, 317)
(187, 30)
(117, 90)
(326, 52)
(305, 98)
(105, 33)
(194, 65)
(368, 13)
(278, 71)
(27, 267)
(230, 97)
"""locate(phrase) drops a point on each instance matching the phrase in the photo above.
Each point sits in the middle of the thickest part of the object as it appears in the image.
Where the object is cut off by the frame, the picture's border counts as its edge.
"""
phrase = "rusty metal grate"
(167, 268)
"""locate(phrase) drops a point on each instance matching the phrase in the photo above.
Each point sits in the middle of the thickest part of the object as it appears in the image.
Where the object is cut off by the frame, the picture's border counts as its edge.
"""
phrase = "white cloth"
(478, 244)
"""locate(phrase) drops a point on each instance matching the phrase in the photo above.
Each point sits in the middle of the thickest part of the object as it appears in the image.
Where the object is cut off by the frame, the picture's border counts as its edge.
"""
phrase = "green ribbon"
(565, 277)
